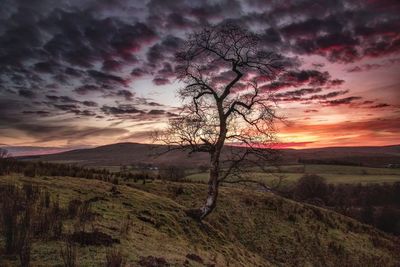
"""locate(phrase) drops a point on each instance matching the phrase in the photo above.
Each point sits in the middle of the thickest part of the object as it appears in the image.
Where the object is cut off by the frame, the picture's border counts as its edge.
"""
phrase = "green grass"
(332, 173)
(248, 228)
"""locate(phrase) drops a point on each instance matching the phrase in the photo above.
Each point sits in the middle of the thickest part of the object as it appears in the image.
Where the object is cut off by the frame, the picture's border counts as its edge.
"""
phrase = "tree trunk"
(212, 193)
(212, 196)
(213, 182)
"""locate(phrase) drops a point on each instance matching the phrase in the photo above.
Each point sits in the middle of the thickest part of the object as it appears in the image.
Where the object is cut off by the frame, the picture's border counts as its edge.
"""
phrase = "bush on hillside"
(172, 173)
(311, 188)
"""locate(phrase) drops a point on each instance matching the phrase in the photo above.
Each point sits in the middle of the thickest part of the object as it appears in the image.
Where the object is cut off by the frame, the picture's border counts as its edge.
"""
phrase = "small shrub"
(73, 208)
(250, 201)
(30, 171)
(172, 173)
(177, 191)
(45, 200)
(25, 251)
(292, 218)
(114, 190)
(194, 257)
(9, 213)
(151, 261)
(336, 248)
(68, 253)
(93, 239)
(18, 211)
(85, 215)
(311, 187)
(126, 226)
(388, 220)
(114, 258)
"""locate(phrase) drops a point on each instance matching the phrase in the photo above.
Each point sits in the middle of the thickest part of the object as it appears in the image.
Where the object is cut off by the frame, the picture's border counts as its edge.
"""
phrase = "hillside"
(121, 154)
(248, 228)
(133, 153)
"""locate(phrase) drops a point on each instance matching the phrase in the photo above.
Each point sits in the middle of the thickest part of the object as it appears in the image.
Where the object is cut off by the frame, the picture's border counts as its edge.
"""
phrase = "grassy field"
(332, 173)
(248, 228)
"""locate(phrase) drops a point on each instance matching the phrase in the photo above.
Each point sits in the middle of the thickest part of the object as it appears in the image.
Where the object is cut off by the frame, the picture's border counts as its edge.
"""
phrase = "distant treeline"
(374, 204)
(32, 169)
(38, 168)
(330, 162)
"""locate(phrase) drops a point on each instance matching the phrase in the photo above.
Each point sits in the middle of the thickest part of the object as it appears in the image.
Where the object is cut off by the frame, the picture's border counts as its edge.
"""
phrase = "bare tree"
(225, 71)
(4, 153)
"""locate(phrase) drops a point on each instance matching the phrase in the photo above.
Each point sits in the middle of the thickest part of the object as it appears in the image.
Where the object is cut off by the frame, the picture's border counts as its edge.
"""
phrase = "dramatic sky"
(78, 73)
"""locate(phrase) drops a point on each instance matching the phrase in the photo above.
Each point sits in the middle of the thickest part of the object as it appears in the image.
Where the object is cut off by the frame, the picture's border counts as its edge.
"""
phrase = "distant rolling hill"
(134, 153)
(123, 154)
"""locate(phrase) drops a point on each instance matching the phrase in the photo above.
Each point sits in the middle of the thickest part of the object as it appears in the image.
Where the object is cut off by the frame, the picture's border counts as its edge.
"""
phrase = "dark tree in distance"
(311, 187)
(172, 173)
(4, 153)
(224, 68)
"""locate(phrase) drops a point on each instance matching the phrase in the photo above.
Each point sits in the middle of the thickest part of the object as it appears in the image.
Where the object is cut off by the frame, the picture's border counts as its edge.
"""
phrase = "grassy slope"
(247, 229)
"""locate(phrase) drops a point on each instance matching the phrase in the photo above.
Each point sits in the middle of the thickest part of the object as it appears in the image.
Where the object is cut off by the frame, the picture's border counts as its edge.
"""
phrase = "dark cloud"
(301, 95)
(104, 78)
(154, 104)
(138, 72)
(335, 82)
(41, 113)
(66, 107)
(73, 72)
(310, 111)
(160, 81)
(125, 94)
(120, 110)
(328, 95)
(373, 66)
(163, 13)
(90, 103)
(68, 46)
(63, 99)
(310, 78)
(166, 49)
(271, 37)
(26, 93)
(345, 32)
(274, 86)
(47, 67)
(43, 132)
(75, 109)
(156, 112)
(312, 26)
(176, 20)
(112, 65)
(380, 105)
(89, 88)
(342, 101)
(166, 71)
(84, 112)
(298, 93)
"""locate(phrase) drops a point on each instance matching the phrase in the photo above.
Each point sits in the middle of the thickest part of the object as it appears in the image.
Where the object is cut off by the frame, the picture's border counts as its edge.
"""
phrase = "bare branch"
(219, 66)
